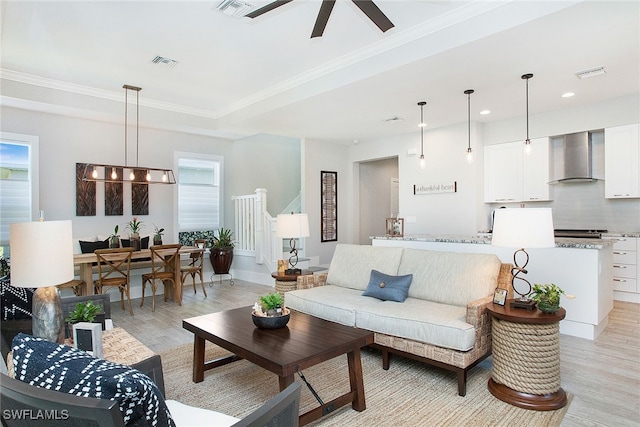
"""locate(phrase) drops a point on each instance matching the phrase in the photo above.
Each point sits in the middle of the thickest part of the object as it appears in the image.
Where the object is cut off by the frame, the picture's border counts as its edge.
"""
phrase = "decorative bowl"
(271, 322)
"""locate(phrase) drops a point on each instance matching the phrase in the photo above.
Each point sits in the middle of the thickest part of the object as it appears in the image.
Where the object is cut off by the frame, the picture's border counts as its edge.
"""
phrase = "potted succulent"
(157, 235)
(546, 297)
(221, 252)
(134, 227)
(114, 239)
(270, 312)
(85, 312)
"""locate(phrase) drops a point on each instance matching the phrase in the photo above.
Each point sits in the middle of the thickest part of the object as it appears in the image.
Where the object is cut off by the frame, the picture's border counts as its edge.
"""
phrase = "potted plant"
(270, 312)
(134, 227)
(157, 235)
(221, 253)
(85, 312)
(546, 297)
(272, 304)
(114, 239)
(4, 268)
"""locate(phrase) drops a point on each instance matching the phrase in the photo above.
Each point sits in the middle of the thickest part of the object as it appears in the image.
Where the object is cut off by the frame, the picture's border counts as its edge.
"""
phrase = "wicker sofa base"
(460, 362)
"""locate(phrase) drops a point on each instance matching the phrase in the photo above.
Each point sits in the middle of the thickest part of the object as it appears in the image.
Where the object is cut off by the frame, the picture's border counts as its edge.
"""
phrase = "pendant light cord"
(526, 77)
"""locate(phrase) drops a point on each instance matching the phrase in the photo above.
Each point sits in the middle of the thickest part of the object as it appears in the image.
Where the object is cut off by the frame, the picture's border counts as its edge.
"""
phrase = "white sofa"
(442, 322)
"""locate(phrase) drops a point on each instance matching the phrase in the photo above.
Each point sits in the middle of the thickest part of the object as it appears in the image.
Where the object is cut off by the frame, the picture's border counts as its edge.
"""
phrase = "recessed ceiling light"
(485, 112)
(567, 94)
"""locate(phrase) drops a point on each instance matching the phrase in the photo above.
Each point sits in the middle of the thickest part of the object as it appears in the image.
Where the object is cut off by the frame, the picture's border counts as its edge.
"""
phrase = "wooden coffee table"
(305, 341)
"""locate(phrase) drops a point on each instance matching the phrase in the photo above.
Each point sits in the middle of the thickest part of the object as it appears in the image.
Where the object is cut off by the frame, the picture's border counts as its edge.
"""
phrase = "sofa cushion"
(90, 247)
(441, 325)
(351, 265)
(448, 277)
(68, 370)
(332, 303)
(388, 288)
(144, 243)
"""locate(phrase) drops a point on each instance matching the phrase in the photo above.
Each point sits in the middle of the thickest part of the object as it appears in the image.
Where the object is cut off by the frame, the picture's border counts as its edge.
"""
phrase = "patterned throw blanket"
(66, 369)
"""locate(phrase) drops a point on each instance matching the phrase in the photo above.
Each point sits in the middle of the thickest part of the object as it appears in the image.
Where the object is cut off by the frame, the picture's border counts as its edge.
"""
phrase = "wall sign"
(419, 189)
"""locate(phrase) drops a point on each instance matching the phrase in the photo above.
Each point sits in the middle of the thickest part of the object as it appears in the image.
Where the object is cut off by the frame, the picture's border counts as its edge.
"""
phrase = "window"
(199, 192)
(18, 182)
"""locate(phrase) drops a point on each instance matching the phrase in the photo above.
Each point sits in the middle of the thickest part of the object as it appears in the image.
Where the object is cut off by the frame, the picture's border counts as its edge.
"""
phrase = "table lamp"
(520, 228)
(42, 257)
(292, 226)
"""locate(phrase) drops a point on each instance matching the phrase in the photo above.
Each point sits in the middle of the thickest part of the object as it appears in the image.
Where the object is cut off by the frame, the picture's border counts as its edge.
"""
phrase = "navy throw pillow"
(45, 364)
(388, 288)
(16, 303)
(90, 247)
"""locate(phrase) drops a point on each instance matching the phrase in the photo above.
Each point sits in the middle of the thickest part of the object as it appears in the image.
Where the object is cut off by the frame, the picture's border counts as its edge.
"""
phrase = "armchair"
(21, 398)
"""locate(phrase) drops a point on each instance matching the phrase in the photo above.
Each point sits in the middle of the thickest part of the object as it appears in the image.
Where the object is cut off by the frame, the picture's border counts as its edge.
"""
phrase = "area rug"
(408, 394)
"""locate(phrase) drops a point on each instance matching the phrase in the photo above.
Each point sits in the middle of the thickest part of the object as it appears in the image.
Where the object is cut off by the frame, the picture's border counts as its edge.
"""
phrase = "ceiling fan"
(368, 7)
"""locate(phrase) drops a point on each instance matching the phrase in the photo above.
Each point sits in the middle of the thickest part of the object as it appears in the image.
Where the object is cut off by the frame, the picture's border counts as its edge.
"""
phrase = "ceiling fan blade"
(375, 14)
(267, 8)
(323, 18)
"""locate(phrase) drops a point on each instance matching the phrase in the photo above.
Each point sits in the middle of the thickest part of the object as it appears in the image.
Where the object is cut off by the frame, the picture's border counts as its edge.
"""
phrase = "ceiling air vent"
(235, 8)
(165, 62)
(591, 72)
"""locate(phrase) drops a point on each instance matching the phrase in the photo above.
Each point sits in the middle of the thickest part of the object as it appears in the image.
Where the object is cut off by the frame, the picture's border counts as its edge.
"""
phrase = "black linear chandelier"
(135, 174)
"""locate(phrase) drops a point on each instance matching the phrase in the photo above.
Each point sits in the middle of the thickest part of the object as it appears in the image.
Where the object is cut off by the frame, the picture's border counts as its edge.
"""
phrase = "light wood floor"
(602, 375)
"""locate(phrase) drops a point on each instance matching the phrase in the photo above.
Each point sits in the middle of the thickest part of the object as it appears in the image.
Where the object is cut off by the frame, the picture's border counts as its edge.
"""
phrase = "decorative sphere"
(271, 322)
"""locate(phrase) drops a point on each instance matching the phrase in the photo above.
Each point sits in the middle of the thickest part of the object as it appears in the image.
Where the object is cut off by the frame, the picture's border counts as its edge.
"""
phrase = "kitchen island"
(581, 267)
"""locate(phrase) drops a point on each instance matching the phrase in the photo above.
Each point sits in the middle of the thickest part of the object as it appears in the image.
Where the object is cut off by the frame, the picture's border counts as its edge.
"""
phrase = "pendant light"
(422, 125)
(126, 173)
(527, 142)
(468, 92)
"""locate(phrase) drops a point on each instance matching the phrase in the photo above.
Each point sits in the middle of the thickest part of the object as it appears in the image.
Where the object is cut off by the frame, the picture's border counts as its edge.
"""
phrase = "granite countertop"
(485, 239)
(635, 234)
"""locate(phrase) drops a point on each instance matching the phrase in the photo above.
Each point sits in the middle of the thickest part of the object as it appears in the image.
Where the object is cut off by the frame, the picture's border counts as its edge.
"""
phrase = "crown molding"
(48, 83)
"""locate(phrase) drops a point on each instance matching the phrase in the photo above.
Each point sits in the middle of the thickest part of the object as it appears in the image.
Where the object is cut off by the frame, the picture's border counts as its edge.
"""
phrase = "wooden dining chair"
(114, 267)
(194, 267)
(164, 259)
(76, 285)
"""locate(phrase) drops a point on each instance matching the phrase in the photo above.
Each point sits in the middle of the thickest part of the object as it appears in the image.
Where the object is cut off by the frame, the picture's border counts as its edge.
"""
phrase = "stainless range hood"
(573, 162)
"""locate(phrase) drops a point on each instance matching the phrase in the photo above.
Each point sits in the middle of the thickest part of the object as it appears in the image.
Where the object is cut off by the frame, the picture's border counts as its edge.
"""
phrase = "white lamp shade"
(523, 228)
(292, 226)
(41, 253)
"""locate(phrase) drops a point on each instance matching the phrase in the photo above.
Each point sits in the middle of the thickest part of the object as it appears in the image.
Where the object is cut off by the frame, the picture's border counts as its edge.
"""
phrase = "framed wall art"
(328, 206)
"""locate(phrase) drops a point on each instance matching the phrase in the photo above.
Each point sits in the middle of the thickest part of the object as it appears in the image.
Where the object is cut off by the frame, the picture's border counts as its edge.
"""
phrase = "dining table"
(86, 262)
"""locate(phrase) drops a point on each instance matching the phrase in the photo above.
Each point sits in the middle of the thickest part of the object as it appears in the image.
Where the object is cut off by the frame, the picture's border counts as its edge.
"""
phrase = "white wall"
(64, 141)
(465, 212)
(321, 156)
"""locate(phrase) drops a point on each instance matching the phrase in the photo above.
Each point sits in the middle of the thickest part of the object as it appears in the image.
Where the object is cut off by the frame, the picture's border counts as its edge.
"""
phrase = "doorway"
(379, 197)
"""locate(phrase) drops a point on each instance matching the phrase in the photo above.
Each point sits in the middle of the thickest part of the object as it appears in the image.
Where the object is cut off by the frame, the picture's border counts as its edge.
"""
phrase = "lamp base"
(527, 304)
(48, 322)
(292, 271)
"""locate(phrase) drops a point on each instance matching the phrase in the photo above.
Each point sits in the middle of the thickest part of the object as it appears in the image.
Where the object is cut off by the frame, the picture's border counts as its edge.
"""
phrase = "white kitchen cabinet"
(512, 175)
(626, 258)
(535, 171)
(622, 161)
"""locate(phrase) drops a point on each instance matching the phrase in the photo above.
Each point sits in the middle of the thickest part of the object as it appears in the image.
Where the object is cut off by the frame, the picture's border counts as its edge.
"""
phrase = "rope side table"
(287, 282)
(526, 357)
